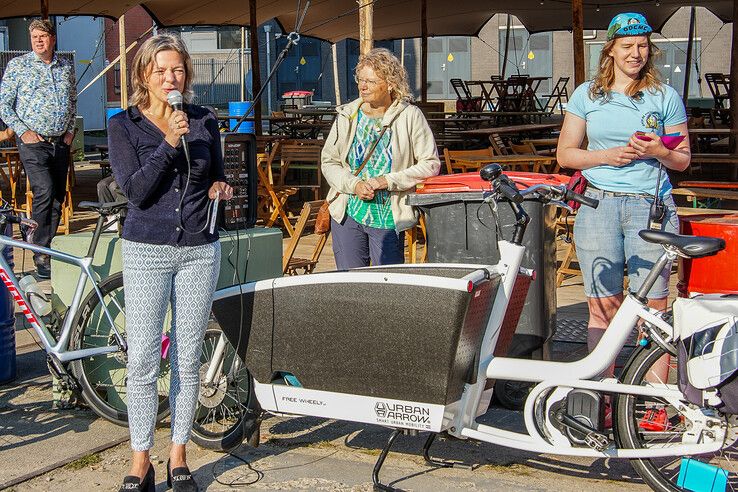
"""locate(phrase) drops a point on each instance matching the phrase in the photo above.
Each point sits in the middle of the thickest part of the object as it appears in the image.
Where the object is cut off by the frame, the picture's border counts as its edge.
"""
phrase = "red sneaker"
(654, 420)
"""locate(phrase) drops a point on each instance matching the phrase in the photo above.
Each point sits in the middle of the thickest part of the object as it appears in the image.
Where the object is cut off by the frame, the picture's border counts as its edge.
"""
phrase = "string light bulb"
(598, 7)
(658, 3)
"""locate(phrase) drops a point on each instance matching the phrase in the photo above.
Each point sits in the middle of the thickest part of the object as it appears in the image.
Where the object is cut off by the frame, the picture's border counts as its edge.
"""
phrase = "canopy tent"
(396, 19)
(334, 20)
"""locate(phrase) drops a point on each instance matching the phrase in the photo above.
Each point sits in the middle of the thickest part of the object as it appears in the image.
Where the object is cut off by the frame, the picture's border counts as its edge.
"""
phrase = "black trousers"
(46, 166)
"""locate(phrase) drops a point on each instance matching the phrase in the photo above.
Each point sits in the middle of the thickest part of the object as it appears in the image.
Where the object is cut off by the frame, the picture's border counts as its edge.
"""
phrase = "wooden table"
(539, 163)
(706, 189)
(706, 138)
(727, 159)
(527, 128)
(11, 156)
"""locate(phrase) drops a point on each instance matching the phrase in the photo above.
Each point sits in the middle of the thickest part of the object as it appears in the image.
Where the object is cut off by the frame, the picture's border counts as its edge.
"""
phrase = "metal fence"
(216, 81)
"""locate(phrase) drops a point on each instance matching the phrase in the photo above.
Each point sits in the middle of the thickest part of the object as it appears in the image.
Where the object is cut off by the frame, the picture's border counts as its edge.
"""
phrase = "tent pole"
(366, 26)
(734, 93)
(688, 67)
(507, 45)
(242, 62)
(424, 51)
(577, 34)
(255, 72)
(45, 9)
(336, 80)
(123, 62)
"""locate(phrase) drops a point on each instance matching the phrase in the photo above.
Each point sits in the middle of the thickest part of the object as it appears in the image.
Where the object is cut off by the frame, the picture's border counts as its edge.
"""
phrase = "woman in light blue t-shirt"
(623, 167)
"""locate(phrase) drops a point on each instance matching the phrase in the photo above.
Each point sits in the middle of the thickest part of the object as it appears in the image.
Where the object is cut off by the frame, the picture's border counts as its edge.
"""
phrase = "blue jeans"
(607, 240)
(355, 245)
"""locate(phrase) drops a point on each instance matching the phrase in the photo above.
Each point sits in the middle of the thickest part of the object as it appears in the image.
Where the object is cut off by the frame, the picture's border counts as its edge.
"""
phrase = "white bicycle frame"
(554, 379)
(58, 347)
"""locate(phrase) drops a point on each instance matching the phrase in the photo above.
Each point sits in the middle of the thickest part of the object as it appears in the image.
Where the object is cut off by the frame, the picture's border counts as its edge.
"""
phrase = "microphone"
(174, 99)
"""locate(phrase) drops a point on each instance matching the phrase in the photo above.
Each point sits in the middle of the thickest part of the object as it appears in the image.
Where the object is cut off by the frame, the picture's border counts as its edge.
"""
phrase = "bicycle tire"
(632, 426)
(103, 378)
(227, 410)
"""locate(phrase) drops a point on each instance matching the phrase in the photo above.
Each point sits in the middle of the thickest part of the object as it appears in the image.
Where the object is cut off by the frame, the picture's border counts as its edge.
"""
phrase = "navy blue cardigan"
(153, 174)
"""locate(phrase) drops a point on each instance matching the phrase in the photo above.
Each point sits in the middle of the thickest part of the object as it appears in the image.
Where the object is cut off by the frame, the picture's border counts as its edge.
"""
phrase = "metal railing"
(216, 81)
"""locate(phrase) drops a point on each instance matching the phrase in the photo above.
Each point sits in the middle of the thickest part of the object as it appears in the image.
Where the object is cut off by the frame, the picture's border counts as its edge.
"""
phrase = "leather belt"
(619, 193)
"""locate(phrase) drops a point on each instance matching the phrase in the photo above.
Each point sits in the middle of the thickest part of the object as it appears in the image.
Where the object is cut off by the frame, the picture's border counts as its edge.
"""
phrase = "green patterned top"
(377, 212)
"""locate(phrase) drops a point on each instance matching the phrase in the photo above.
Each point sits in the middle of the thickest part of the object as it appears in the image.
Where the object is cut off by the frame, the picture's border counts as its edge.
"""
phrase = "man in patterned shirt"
(38, 100)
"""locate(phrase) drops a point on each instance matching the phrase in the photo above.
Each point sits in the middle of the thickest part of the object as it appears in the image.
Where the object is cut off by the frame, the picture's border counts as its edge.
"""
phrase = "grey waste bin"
(460, 228)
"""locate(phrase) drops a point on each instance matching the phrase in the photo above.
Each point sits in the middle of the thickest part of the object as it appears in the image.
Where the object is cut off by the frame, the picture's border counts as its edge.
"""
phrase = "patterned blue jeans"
(154, 276)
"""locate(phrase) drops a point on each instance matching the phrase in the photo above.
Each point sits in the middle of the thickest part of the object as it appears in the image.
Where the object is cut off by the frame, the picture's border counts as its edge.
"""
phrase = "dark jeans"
(46, 167)
(355, 245)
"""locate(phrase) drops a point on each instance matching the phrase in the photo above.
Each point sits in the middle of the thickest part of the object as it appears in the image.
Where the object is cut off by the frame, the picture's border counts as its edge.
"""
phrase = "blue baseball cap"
(628, 24)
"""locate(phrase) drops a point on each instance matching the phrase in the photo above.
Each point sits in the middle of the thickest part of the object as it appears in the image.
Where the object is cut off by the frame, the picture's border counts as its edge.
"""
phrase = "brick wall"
(137, 21)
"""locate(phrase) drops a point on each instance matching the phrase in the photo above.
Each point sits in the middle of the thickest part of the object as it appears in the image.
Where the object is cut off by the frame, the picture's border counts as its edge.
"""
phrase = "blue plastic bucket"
(7, 323)
(110, 112)
(238, 108)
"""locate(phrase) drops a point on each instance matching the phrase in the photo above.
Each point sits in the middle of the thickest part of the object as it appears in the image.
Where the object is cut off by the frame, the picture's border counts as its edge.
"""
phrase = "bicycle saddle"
(105, 209)
(689, 246)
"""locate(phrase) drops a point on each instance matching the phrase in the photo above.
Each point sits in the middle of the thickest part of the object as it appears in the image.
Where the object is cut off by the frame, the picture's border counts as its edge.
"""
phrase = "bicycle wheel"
(226, 411)
(103, 377)
(644, 422)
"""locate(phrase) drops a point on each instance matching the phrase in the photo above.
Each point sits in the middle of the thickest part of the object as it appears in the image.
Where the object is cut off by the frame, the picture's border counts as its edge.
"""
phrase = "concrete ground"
(42, 448)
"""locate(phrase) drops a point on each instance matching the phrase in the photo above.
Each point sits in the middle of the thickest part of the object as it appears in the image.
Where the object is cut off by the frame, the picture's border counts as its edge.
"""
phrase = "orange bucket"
(716, 274)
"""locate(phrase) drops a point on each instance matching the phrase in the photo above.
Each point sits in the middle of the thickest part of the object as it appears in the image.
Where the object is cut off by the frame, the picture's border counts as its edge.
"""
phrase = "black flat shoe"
(132, 483)
(180, 479)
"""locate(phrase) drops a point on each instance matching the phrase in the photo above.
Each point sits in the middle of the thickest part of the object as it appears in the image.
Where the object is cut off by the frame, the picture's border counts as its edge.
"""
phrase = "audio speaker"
(239, 162)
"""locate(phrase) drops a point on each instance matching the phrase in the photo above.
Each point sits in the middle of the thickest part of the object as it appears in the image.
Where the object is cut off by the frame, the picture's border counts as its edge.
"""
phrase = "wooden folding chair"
(498, 144)
(527, 148)
(67, 209)
(412, 237)
(559, 94)
(465, 102)
(451, 158)
(569, 266)
(305, 226)
(304, 155)
(273, 197)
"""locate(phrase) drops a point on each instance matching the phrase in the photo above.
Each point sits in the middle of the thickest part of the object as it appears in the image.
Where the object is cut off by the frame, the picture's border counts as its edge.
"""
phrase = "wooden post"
(336, 79)
(242, 62)
(688, 67)
(123, 62)
(424, 50)
(366, 26)
(255, 72)
(44, 9)
(577, 33)
(734, 93)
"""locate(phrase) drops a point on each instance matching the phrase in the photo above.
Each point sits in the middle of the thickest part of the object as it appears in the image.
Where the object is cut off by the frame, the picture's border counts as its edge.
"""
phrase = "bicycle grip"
(509, 190)
(584, 200)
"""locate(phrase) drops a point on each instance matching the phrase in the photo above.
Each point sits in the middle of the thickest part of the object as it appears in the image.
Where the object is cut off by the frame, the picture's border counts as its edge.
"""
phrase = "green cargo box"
(257, 252)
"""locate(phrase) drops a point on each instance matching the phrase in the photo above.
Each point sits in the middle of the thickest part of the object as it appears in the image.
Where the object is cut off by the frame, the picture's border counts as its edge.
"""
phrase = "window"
(528, 55)
(229, 38)
(3, 38)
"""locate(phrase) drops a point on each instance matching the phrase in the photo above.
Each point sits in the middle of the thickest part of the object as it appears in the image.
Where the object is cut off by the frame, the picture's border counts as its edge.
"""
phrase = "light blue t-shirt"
(611, 123)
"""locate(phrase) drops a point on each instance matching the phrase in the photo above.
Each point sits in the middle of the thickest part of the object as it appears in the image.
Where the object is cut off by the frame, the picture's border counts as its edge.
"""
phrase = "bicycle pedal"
(596, 441)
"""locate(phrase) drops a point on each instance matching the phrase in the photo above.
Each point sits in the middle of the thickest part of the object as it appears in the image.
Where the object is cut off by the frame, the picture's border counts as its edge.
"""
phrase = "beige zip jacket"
(414, 158)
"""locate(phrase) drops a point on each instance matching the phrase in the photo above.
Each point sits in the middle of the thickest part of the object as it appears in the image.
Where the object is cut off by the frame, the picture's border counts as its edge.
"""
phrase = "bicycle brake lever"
(561, 204)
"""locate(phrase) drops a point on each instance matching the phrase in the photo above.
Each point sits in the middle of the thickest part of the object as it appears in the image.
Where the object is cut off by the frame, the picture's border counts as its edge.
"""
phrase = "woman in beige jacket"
(370, 211)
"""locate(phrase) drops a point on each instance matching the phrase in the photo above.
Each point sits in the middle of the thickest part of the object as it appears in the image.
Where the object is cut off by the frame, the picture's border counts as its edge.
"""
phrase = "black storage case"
(460, 228)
